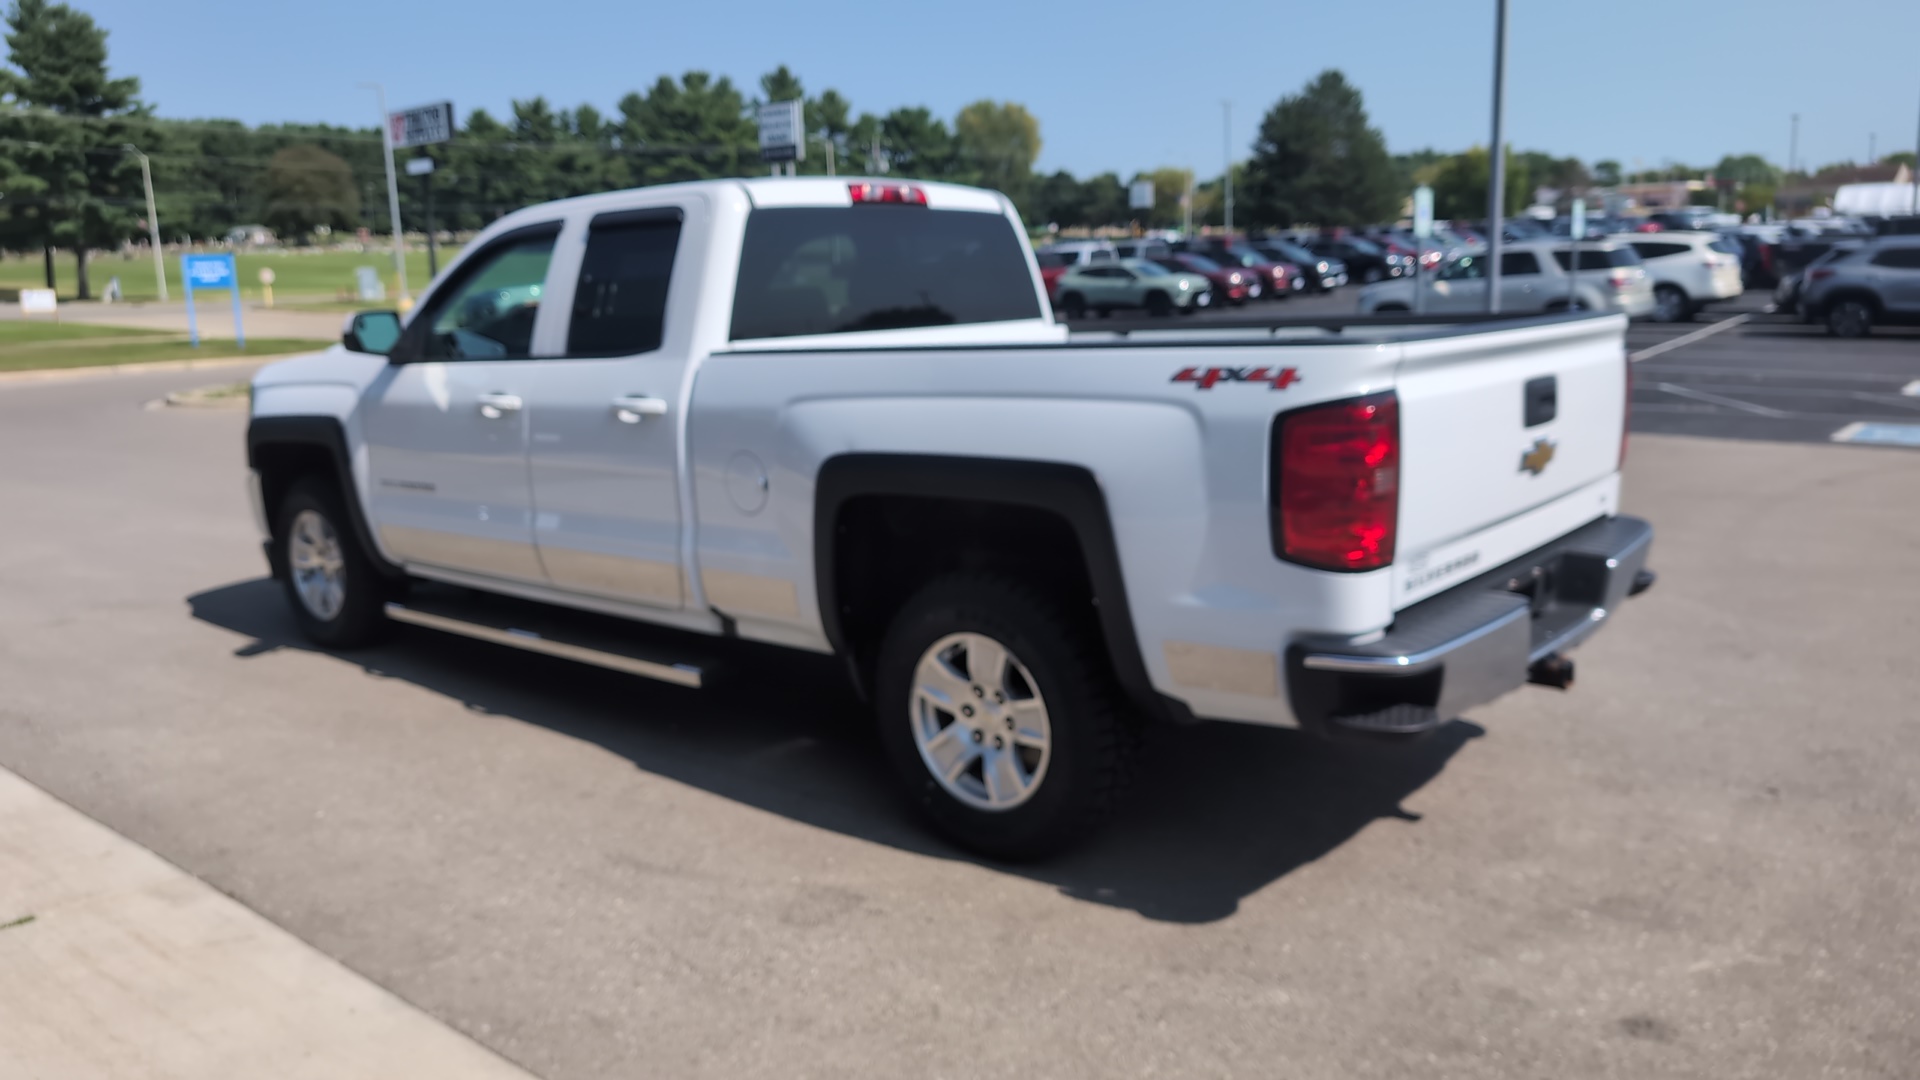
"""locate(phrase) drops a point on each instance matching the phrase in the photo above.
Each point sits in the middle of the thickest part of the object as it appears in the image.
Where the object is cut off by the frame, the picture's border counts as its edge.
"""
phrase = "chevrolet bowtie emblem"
(1535, 460)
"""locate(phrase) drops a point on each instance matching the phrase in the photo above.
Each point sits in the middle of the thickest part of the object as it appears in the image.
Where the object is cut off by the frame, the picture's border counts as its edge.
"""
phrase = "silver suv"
(1533, 277)
(1852, 291)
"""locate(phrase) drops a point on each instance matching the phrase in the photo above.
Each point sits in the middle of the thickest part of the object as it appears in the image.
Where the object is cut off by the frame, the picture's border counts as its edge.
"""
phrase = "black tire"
(1074, 306)
(1158, 305)
(1091, 740)
(1671, 304)
(1850, 318)
(361, 616)
(1371, 276)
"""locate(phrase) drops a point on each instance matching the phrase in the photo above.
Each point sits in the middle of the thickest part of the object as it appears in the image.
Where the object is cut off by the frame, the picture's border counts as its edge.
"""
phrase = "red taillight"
(1336, 484)
(1820, 273)
(887, 193)
(1619, 279)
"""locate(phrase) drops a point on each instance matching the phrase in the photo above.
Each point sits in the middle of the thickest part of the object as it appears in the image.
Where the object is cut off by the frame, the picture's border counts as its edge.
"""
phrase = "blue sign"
(211, 272)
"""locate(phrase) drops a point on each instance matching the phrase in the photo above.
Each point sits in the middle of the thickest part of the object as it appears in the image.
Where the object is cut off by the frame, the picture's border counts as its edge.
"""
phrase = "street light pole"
(1793, 143)
(1497, 188)
(393, 192)
(153, 222)
(1226, 149)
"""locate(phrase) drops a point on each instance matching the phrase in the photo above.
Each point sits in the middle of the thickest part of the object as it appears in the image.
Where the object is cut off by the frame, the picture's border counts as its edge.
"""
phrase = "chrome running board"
(552, 638)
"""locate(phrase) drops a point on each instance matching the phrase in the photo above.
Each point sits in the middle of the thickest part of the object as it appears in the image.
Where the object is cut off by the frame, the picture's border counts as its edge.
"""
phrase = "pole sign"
(1579, 224)
(211, 272)
(1140, 195)
(421, 126)
(38, 302)
(420, 166)
(781, 128)
(1423, 212)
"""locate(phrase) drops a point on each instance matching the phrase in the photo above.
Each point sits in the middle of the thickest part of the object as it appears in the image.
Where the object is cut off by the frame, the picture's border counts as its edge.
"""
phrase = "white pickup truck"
(838, 416)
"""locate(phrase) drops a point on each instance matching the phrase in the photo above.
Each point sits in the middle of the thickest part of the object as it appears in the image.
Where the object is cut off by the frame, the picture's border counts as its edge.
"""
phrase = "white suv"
(1689, 270)
(1533, 278)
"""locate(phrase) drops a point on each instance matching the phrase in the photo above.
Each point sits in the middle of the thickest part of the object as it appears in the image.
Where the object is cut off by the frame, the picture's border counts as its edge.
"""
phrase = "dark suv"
(1365, 260)
(1853, 291)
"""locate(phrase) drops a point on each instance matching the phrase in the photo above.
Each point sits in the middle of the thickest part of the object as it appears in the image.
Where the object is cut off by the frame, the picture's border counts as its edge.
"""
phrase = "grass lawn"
(45, 354)
(315, 275)
(31, 333)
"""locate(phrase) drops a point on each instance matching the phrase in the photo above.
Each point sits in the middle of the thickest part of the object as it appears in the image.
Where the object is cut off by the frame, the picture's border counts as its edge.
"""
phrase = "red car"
(1231, 282)
(1052, 265)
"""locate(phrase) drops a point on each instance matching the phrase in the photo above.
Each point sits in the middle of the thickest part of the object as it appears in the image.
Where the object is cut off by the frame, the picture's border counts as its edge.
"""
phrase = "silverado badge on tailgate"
(1535, 459)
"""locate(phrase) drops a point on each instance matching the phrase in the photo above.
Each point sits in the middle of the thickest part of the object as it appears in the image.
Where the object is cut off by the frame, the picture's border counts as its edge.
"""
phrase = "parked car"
(834, 416)
(1321, 273)
(1158, 288)
(1854, 291)
(1052, 265)
(1689, 270)
(1279, 278)
(1684, 219)
(1365, 260)
(1786, 294)
(1533, 278)
(1230, 283)
(1082, 251)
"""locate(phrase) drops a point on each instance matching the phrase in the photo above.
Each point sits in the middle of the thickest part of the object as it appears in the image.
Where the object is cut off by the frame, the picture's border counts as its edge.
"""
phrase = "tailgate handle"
(1542, 400)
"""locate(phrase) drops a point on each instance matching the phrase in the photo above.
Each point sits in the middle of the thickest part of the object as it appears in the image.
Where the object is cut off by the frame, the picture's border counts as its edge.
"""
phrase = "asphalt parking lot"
(1701, 862)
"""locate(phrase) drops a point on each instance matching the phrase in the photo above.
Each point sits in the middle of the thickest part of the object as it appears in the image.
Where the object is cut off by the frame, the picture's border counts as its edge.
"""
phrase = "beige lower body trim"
(475, 554)
(643, 580)
(751, 595)
(1230, 671)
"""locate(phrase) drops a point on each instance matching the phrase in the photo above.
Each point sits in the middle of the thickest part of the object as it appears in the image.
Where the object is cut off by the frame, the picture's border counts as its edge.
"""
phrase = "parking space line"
(1867, 431)
(1652, 351)
(1716, 399)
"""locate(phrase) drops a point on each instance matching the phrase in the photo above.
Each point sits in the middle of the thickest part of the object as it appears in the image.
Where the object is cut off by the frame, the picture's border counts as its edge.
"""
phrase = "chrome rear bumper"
(1474, 642)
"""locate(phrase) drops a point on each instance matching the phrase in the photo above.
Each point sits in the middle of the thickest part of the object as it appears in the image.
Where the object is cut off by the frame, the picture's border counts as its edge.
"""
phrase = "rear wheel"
(1671, 305)
(1850, 319)
(1074, 305)
(1001, 721)
(1253, 290)
(1158, 305)
(338, 598)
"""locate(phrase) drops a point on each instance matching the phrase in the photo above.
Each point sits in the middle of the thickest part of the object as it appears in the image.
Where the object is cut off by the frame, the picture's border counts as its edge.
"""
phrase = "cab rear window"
(832, 270)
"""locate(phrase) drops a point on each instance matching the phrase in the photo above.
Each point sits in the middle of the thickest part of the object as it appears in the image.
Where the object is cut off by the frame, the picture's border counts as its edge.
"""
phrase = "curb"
(109, 370)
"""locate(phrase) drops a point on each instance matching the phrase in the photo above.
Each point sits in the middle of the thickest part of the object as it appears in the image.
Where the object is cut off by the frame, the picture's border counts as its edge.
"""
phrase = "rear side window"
(620, 304)
(827, 270)
(1725, 247)
(1651, 250)
(1605, 259)
(1519, 262)
(1899, 258)
(1051, 259)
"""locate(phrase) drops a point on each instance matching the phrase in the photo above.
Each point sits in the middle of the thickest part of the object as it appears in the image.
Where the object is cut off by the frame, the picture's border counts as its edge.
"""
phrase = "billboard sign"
(422, 126)
(782, 131)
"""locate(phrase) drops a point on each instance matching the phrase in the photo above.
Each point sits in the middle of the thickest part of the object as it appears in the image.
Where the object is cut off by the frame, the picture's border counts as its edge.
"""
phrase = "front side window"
(489, 313)
(620, 304)
(1515, 263)
(833, 270)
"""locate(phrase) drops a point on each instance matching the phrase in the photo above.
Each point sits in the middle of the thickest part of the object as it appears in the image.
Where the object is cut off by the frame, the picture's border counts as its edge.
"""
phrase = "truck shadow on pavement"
(1217, 812)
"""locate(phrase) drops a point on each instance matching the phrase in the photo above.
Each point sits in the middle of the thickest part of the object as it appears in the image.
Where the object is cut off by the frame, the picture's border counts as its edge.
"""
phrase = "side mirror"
(374, 332)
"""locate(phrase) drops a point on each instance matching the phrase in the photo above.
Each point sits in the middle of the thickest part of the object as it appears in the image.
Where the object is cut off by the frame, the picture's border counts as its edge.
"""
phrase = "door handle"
(632, 409)
(494, 406)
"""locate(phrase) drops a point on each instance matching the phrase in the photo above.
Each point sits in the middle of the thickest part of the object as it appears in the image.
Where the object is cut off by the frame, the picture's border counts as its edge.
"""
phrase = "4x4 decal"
(1205, 378)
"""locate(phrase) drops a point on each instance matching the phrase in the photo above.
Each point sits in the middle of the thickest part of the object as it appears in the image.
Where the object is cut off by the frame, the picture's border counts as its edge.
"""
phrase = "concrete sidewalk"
(116, 963)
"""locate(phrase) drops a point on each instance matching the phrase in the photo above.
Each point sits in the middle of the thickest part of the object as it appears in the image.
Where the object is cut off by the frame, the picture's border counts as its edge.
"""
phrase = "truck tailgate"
(1508, 439)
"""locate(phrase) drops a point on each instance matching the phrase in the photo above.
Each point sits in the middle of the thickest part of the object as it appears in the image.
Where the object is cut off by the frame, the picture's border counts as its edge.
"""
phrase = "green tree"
(1606, 173)
(1169, 187)
(307, 187)
(1103, 200)
(66, 127)
(1746, 169)
(781, 84)
(1317, 160)
(1460, 185)
(1898, 157)
(696, 129)
(828, 122)
(917, 144)
(997, 142)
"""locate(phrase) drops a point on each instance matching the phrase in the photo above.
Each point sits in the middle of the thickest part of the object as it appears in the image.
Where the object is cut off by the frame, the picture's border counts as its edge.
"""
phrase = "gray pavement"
(1701, 862)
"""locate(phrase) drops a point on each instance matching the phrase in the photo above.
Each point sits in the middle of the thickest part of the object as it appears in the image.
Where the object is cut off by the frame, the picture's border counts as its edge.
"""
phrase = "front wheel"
(338, 598)
(1074, 306)
(999, 716)
(1850, 319)
(1671, 305)
(1158, 305)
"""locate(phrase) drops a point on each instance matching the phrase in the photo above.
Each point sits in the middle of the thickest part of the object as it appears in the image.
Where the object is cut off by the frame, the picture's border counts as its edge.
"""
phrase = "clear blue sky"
(1118, 85)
